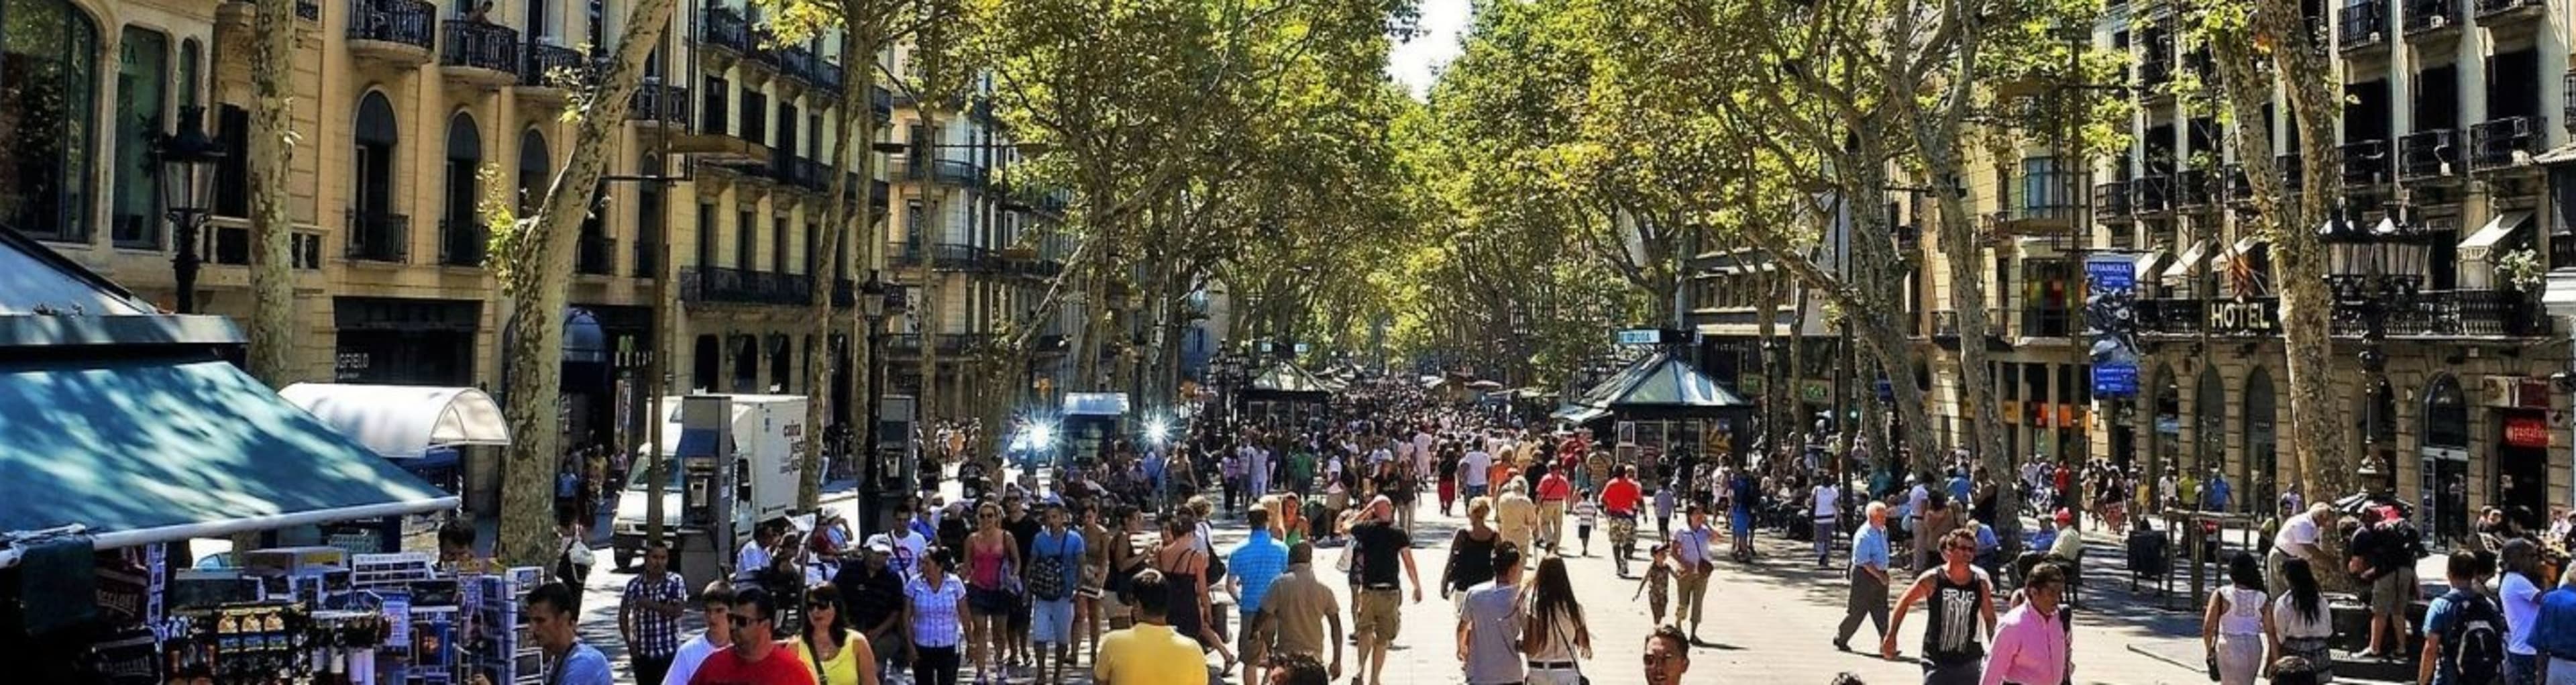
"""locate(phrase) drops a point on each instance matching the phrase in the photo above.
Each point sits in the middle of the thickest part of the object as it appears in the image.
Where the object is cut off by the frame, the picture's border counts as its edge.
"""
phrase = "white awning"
(2148, 264)
(2190, 258)
(403, 421)
(2494, 233)
(2244, 246)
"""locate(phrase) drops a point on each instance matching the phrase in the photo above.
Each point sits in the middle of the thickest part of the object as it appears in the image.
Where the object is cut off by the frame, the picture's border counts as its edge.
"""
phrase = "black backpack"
(2474, 644)
(1046, 572)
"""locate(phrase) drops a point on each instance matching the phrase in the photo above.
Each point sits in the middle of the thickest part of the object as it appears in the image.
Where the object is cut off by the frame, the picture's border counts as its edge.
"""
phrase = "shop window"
(48, 75)
(142, 91)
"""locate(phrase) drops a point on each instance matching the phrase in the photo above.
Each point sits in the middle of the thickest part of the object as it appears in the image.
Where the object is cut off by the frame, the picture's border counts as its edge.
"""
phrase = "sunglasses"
(821, 605)
(1959, 548)
(744, 620)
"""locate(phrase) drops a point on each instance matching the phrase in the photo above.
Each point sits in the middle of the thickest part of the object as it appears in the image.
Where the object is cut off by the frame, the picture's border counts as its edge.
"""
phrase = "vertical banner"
(2110, 321)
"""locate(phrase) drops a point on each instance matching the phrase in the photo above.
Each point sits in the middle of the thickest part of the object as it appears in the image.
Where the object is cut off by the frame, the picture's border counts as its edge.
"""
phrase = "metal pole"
(184, 224)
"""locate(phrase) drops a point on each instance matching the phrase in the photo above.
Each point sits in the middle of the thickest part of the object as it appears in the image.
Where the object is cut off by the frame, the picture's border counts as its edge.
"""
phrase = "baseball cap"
(881, 544)
(2065, 516)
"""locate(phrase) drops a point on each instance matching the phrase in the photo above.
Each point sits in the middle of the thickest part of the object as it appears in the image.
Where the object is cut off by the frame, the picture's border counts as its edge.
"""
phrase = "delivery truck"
(752, 469)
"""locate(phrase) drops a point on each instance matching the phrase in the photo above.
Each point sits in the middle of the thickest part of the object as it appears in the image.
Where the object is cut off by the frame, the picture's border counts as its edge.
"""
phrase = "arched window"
(376, 232)
(746, 363)
(707, 366)
(142, 92)
(535, 170)
(782, 365)
(460, 225)
(48, 95)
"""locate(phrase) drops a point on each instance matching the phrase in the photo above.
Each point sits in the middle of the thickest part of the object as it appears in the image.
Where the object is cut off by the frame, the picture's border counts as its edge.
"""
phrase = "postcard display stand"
(311, 616)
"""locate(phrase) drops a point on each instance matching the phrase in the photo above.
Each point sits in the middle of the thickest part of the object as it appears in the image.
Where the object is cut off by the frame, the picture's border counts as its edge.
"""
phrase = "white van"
(768, 433)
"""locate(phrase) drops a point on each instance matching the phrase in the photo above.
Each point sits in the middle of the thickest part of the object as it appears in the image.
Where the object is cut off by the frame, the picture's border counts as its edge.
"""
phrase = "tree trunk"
(272, 154)
(2317, 428)
(535, 269)
(852, 125)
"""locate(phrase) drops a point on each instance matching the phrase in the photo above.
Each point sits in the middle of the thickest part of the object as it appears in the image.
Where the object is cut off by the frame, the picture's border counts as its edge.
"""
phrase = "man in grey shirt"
(1489, 623)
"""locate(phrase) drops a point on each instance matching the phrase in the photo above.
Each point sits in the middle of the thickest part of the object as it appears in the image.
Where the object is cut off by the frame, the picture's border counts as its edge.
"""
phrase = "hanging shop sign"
(2110, 322)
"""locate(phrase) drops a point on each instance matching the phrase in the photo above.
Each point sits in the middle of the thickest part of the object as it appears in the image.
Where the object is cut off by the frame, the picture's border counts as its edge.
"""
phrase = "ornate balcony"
(462, 242)
(397, 33)
(2195, 189)
(2365, 162)
(2433, 314)
(2503, 143)
(379, 237)
(2151, 194)
(723, 32)
(709, 284)
(659, 106)
(2510, 11)
(2426, 18)
(479, 54)
(2427, 154)
(2111, 201)
(2364, 24)
(547, 72)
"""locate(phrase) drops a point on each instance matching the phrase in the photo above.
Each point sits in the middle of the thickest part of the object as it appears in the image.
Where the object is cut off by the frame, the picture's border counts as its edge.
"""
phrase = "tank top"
(987, 566)
(1954, 636)
(1473, 560)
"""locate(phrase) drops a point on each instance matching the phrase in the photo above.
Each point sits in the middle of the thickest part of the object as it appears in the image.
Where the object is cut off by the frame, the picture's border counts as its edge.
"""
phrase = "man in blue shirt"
(2553, 634)
(1868, 578)
(554, 623)
(2216, 491)
(1061, 552)
(2464, 602)
(1959, 486)
(1249, 572)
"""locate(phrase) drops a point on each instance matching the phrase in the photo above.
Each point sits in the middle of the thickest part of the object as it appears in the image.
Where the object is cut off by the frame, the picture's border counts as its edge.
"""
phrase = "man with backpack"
(2464, 632)
(1055, 564)
(2383, 553)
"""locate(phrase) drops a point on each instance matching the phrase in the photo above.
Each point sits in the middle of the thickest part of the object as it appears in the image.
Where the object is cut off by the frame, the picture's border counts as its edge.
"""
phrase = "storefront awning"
(2497, 230)
(2149, 265)
(2244, 246)
(2190, 259)
(145, 451)
(404, 421)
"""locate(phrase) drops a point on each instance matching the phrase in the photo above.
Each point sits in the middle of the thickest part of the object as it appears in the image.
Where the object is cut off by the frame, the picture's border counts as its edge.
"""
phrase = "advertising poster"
(2110, 322)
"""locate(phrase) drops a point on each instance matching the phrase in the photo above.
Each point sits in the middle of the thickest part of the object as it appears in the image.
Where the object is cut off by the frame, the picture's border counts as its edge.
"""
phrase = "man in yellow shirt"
(1149, 653)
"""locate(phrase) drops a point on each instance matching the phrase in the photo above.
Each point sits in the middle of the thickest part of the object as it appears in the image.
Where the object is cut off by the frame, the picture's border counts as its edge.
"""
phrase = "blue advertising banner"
(2110, 321)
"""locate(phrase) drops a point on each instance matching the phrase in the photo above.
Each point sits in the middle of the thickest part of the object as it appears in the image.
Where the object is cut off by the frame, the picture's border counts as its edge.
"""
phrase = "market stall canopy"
(1485, 385)
(1287, 381)
(139, 451)
(1662, 384)
(404, 421)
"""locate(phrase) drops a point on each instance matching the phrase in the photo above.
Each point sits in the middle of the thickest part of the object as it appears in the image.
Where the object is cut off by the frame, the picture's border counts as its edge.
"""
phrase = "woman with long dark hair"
(1555, 637)
(838, 655)
(2300, 624)
(2232, 629)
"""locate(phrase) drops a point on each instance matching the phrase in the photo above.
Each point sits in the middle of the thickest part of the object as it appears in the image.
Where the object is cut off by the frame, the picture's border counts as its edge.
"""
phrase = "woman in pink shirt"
(2031, 645)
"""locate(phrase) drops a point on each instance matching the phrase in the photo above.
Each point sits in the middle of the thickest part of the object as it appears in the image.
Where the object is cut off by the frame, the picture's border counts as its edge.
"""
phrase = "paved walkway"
(1769, 622)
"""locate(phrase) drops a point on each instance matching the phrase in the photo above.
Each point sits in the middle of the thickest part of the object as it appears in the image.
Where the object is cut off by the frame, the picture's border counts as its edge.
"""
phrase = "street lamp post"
(184, 163)
(2375, 273)
(873, 301)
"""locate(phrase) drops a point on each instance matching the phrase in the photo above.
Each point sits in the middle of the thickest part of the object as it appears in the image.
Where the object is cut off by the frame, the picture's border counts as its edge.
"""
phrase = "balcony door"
(460, 229)
(372, 195)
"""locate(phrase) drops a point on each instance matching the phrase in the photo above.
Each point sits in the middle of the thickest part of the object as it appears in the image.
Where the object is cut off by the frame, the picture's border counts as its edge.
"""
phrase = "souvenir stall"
(1287, 396)
(131, 434)
(1661, 410)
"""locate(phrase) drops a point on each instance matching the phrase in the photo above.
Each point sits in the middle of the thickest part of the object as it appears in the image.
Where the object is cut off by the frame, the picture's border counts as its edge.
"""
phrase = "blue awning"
(142, 451)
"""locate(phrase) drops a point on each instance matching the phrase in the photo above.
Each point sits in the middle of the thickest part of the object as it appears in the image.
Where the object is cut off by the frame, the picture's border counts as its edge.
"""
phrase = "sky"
(1416, 63)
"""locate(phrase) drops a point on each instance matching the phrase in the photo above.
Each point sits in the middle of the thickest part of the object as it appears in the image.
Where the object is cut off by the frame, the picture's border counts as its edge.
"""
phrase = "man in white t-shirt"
(2299, 538)
(1827, 514)
(1422, 451)
(1472, 471)
(906, 547)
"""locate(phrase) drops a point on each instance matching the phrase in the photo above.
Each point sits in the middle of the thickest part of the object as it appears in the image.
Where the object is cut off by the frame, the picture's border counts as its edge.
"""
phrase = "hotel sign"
(2243, 316)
